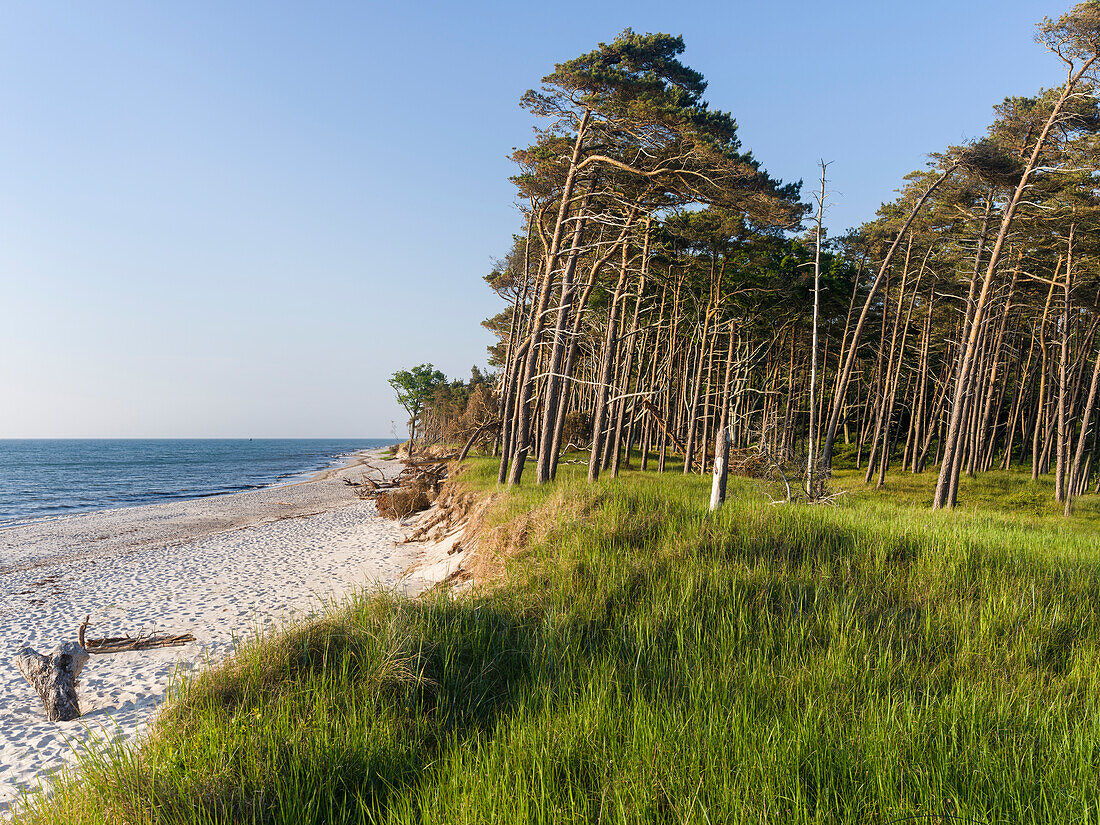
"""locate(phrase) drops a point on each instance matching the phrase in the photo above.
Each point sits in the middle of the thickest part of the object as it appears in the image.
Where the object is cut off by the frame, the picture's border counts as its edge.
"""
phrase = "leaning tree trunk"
(628, 368)
(567, 388)
(1086, 417)
(849, 360)
(1063, 366)
(987, 426)
(607, 372)
(922, 388)
(557, 351)
(514, 358)
(895, 378)
(947, 484)
(522, 437)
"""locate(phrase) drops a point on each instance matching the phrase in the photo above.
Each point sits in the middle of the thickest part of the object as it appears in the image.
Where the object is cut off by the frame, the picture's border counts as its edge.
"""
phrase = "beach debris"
(412, 490)
(53, 677)
(119, 644)
(402, 502)
(143, 641)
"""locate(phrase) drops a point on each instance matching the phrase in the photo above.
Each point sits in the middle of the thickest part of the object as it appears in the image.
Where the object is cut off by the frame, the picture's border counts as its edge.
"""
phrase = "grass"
(648, 662)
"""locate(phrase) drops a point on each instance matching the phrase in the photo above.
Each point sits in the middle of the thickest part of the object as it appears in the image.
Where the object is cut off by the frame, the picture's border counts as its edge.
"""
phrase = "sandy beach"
(219, 568)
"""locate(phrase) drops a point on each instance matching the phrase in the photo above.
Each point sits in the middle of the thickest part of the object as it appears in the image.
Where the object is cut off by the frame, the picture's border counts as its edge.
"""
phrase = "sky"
(238, 219)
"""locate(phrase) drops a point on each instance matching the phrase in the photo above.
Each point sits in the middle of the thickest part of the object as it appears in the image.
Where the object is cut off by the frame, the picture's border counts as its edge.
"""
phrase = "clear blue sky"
(237, 219)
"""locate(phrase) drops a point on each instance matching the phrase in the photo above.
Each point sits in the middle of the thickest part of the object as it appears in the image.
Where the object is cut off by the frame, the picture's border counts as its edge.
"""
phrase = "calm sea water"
(45, 478)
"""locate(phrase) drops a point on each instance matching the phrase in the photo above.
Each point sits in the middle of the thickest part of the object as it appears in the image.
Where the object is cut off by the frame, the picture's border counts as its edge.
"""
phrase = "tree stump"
(721, 468)
(54, 677)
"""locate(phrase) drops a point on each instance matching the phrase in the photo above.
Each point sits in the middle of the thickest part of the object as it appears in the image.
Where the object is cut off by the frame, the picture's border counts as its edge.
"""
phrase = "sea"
(48, 478)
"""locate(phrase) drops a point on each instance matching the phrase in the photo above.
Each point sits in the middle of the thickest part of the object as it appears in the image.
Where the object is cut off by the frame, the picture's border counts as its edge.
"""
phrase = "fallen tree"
(412, 490)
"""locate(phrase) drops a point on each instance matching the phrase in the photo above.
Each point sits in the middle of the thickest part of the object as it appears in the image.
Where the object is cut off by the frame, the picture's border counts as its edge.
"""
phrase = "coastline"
(220, 567)
(101, 533)
(308, 468)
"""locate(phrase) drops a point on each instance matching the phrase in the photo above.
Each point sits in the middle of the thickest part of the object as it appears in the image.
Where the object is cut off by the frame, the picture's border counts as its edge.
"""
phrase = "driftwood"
(425, 462)
(53, 677)
(143, 641)
(412, 490)
(367, 481)
(119, 644)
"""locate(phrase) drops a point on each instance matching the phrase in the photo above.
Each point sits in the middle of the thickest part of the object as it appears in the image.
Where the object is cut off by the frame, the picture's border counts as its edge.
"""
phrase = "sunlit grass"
(648, 661)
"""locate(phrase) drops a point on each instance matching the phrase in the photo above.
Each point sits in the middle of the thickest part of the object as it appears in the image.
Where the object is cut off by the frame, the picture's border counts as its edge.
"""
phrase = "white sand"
(219, 567)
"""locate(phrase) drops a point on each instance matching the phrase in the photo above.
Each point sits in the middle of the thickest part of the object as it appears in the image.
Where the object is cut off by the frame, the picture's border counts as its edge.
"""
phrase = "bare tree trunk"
(880, 384)
(523, 423)
(692, 410)
(946, 487)
(709, 382)
(895, 372)
(607, 370)
(1063, 366)
(1086, 418)
(722, 440)
(628, 368)
(922, 379)
(986, 434)
(853, 347)
(1036, 433)
(721, 468)
(514, 361)
(1016, 414)
(557, 352)
(811, 445)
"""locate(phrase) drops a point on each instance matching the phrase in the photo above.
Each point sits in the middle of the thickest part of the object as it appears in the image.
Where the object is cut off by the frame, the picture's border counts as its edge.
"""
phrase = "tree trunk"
(811, 442)
(607, 371)
(54, 678)
(1063, 367)
(721, 468)
(946, 486)
(522, 436)
(693, 407)
(853, 347)
(1086, 418)
(722, 440)
(557, 350)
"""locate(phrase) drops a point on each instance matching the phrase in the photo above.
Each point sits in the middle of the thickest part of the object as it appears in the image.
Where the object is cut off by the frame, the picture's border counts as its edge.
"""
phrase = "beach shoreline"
(220, 567)
(335, 463)
(121, 529)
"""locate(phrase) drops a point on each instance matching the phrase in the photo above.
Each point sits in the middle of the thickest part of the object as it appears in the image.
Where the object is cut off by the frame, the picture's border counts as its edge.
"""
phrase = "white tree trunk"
(721, 468)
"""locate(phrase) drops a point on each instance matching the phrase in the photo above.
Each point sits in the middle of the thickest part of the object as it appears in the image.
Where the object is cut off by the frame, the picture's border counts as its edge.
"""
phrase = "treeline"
(443, 411)
(664, 296)
(455, 409)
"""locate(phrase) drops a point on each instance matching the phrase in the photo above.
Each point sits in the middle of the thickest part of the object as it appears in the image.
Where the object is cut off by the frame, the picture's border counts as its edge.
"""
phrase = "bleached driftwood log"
(54, 677)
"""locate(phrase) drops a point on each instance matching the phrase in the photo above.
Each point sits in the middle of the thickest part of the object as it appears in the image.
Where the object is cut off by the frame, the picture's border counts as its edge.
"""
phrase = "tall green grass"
(646, 661)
